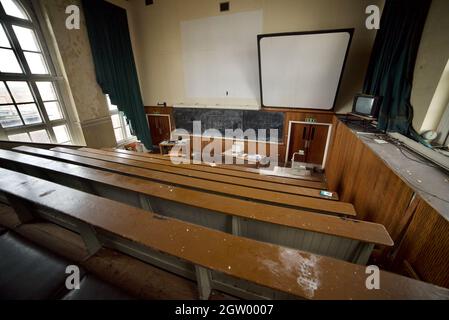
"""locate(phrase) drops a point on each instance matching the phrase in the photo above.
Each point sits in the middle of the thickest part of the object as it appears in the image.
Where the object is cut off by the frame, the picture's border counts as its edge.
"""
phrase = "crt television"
(366, 105)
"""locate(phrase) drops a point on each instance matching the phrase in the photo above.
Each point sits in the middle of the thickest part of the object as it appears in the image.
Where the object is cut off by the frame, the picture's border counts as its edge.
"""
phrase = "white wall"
(432, 57)
(159, 49)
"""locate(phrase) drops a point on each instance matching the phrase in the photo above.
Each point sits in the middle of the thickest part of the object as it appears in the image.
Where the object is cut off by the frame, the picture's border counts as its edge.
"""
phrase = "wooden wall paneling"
(289, 114)
(424, 250)
(363, 179)
(420, 233)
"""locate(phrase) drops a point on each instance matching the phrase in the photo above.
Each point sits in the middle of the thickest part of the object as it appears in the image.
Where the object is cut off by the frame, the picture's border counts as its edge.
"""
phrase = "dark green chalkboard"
(222, 119)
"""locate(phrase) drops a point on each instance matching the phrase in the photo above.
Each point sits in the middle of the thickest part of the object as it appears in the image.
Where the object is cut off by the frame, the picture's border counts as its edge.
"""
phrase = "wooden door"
(299, 133)
(317, 143)
(159, 128)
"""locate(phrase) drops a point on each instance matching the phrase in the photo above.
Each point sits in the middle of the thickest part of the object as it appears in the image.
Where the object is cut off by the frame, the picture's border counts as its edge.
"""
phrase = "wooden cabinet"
(310, 140)
(160, 127)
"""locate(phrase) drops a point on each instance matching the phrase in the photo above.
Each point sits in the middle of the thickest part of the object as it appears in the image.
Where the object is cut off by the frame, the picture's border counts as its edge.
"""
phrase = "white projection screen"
(220, 55)
(303, 69)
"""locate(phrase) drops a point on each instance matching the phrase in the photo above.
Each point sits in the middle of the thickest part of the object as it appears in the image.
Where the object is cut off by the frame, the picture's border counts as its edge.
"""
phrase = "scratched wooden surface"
(326, 224)
(210, 186)
(291, 271)
(231, 170)
(388, 186)
(167, 166)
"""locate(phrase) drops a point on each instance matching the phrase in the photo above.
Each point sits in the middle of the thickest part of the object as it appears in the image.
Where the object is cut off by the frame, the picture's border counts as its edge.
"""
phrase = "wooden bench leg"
(22, 208)
(203, 279)
(90, 238)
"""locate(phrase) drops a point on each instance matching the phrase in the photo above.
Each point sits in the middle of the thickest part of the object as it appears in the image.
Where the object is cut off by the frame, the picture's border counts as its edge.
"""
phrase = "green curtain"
(392, 62)
(107, 27)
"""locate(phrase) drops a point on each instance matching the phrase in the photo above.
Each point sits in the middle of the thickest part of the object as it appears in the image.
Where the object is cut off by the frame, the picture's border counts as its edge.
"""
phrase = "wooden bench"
(231, 170)
(288, 200)
(218, 260)
(186, 170)
(345, 239)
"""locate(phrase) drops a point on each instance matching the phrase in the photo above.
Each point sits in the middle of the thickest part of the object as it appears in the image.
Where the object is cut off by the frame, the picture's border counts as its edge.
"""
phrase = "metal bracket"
(90, 238)
(203, 279)
(145, 203)
(363, 253)
(236, 226)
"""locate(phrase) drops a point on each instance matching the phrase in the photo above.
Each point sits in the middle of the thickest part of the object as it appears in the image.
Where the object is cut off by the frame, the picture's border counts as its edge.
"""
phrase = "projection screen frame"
(350, 31)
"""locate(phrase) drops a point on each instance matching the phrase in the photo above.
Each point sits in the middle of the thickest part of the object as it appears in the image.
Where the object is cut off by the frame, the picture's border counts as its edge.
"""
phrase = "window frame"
(7, 22)
(115, 111)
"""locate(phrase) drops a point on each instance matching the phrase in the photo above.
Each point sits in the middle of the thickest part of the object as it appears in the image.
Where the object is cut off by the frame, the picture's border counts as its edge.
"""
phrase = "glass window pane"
(4, 42)
(118, 134)
(24, 137)
(12, 8)
(53, 110)
(27, 38)
(29, 113)
(46, 90)
(9, 117)
(40, 136)
(128, 131)
(115, 121)
(111, 107)
(8, 62)
(4, 94)
(61, 133)
(36, 63)
(20, 91)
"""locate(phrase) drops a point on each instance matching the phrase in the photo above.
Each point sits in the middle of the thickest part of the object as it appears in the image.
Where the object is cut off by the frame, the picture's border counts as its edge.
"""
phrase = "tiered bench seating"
(230, 263)
(347, 239)
(231, 170)
(185, 170)
(123, 166)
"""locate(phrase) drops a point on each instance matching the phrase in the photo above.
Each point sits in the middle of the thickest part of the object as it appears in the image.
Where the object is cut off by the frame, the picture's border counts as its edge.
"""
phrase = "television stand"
(362, 121)
(369, 119)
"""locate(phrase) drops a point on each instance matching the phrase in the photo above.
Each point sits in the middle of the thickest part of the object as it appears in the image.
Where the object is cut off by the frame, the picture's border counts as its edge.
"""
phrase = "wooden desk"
(166, 174)
(215, 256)
(346, 239)
(231, 170)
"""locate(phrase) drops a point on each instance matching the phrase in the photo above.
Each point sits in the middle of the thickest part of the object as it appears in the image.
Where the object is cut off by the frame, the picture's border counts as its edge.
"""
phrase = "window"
(30, 106)
(121, 127)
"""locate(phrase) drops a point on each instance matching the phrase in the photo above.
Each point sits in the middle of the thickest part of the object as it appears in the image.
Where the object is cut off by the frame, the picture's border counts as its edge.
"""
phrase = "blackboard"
(222, 119)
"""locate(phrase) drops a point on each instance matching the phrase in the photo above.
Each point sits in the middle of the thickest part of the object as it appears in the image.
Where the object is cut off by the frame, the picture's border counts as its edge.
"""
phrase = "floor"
(140, 279)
